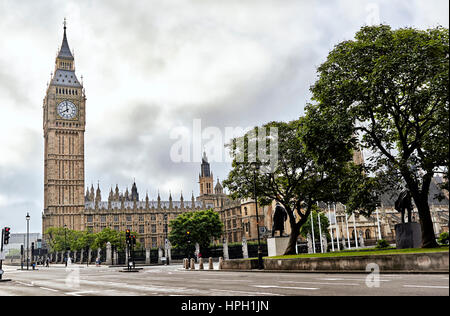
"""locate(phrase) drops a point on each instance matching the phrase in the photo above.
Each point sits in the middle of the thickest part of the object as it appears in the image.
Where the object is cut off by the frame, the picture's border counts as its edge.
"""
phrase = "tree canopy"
(62, 239)
(203, 227)
(298, 181)
(388, 91)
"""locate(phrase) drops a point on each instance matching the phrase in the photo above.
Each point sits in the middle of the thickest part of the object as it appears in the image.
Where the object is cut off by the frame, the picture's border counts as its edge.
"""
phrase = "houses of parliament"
(66, 204)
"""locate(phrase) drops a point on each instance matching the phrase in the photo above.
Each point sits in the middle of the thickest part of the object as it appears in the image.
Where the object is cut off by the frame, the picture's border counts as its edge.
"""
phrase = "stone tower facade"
(206, 182)
(64, 110)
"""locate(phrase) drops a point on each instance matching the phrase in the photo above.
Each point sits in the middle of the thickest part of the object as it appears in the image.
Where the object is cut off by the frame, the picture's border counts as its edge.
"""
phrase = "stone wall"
(423, 262)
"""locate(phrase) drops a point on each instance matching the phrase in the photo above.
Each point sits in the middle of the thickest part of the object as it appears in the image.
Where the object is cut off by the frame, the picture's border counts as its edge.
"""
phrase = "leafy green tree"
(116, 238)
(85, 239)
(203, 227)
(59, 238)
(298, 181)
(390, 87)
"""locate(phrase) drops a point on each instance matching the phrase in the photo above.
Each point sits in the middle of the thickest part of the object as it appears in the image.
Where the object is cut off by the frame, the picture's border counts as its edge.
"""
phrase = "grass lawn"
(364, 252)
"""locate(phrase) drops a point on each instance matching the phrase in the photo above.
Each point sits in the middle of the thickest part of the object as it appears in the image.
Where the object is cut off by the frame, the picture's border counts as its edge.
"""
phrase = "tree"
(56, 238)
(203, 227)
(115, 238)
(391, 87)
(297, 181)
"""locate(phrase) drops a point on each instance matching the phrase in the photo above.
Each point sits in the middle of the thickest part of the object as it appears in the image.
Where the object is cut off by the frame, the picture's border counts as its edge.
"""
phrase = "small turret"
(159, 200)
(181, 201)
(117, 194)
(92, 194)
(218, 189)
(134, 192)
(127, 197)
(98, 195)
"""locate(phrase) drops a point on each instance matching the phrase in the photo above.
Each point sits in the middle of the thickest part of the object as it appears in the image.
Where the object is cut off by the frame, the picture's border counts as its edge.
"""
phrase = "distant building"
(19, 239)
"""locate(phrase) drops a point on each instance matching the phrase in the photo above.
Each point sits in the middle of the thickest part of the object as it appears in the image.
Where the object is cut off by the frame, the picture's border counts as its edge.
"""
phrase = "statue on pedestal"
(279, 217)
(404, 203)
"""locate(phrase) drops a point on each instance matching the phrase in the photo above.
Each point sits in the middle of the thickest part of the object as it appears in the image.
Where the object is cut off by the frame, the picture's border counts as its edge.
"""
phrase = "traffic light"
(32, 248)
(7, 231)
(127, 236)
(133, 240)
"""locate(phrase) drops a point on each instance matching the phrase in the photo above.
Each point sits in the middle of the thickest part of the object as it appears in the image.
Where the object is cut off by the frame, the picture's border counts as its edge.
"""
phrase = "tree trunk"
(420, 197)
(291, 248)
(426, 224)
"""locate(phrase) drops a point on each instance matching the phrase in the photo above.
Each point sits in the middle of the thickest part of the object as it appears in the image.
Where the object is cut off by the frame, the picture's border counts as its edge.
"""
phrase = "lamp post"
(166, 244)
(255, 167)
(28, 239)
(65, 243)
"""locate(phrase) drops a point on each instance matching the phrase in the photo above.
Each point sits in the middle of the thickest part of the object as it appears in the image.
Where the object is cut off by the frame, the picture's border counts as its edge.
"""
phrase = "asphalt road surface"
(173, 280)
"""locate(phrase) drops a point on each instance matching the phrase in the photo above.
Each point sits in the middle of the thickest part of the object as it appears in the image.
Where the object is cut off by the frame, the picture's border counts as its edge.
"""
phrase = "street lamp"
(166, 244)
(65, 242)
(28, 238)
(255, 167)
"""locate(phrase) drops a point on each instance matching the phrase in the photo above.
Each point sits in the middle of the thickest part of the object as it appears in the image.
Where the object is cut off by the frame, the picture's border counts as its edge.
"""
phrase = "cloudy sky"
(151, 68)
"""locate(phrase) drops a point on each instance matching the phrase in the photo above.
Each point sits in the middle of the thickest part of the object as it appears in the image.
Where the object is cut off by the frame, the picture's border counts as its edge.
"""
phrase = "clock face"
(67, 110)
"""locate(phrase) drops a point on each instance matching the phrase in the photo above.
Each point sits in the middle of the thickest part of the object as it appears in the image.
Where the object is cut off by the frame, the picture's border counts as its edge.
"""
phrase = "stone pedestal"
(108, 253)
(244, 248)
(225, 251)
(324, 242)
(147, 256)
(160, 255)
(277, 246)
(310, 245)
(408, 235)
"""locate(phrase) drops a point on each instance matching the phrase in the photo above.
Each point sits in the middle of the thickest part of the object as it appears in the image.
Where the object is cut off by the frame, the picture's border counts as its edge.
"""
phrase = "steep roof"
(64, 51)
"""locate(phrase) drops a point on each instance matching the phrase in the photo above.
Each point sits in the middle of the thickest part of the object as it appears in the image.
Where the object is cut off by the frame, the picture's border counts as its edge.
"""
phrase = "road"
(173, 280)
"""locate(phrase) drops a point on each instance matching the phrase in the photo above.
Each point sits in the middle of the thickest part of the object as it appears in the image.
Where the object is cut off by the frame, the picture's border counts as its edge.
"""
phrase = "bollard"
(211, 266)
(200, 264)
(220, 263)
(192, 264)
(186, 263)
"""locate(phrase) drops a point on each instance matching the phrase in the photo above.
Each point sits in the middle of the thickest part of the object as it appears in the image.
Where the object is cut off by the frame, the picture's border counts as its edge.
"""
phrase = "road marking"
(287, 287)
(46, 288)
(226, 280)
(79, 293)
(26, 284)
(349, 279)
(246, 292)
(427, 286)
(321, 283)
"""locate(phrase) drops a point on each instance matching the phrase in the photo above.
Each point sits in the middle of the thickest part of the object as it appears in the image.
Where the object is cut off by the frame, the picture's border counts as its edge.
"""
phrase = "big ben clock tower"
(64, 126)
